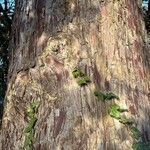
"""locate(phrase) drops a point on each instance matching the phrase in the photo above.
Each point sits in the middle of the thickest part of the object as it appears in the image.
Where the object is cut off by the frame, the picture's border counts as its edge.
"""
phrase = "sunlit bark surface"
(107, 41)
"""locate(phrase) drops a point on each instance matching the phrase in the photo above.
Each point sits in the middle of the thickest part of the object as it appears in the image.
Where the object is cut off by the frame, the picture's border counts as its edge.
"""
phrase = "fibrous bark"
(107, 41)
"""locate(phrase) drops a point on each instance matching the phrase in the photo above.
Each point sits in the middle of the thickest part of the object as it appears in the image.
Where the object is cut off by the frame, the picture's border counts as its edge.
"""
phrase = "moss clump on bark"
(105, 96)
(77, 73)
(30, 125)
(126, 121)
(141, 146)
(29, 139)
(135, 133)
(115, 111)
(110, 96)
(83, 79)
(29, 130)
(100, 95)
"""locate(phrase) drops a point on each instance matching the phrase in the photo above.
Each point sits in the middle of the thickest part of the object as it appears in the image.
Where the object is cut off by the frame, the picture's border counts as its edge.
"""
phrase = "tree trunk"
(107, 41)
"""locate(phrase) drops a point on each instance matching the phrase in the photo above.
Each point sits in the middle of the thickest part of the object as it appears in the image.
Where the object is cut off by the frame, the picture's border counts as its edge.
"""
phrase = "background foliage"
(146, 12)
(6, 15)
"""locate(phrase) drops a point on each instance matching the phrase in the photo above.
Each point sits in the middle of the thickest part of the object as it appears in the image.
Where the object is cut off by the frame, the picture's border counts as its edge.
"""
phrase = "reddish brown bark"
(107, 41)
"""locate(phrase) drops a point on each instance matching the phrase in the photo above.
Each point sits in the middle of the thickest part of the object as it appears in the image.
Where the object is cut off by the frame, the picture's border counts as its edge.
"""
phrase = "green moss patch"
(126, 121)
(114, 111)
(77, 73)
(135, 133)
(100, 95)
(30, 125)
(29, 130)
(141, 146)
(105, 96)
(82, 79)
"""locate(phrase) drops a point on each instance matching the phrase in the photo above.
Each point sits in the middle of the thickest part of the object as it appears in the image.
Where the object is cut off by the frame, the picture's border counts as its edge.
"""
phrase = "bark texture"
(107, 41)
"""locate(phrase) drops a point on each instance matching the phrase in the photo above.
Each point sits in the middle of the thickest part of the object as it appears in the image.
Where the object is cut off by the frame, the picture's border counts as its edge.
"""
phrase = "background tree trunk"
(107, 41)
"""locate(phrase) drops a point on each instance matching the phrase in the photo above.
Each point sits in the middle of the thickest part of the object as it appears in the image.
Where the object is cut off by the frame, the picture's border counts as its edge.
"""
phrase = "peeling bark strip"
(107, 41)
